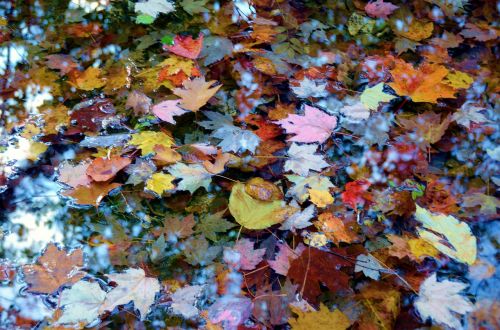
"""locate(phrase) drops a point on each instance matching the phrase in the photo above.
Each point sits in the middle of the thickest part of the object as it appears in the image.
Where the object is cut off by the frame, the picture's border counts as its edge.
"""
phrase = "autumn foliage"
(249, 164)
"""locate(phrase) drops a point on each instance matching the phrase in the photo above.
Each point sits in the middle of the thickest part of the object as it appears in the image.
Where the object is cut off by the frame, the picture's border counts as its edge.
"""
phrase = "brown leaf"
(314, 267)
(53, 269)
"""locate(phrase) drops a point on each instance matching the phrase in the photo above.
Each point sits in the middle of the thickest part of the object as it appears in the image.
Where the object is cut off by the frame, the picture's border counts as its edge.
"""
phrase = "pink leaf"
(380, 9)
(281, 263)
(166, 110)
(243, 256)
(314, 126)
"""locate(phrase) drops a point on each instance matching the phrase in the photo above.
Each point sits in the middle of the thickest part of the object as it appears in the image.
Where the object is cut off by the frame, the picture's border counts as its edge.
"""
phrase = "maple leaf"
(140, 171)
(53, 269)
(160, 182)
(356, 112)
(309, 88)
(92, 194)
(372, 96)
(334, 228)
(138, 101)
(87, 80)
(356, 193)
(81, 302)
(184, 300)
(196, 93)
(215, 48)
(299, 219)
(186, 46)
(428, 127)
(424, 84)
(147, 140)
(461, 243)
(314, 126)
(74, 175)
(380, 9)
(243, 256)
(469, 113)
(176, 228)
(252, 213)
(154, 7)
(193, 176)
(61, 62)
(320, 198)
(198, 252)
(300, 191)
(314, 267)
(132, 285)
(166, 110)
(440, 300)
(302, 159)
(233, 138)
(211, 224)
(281, 263)
(321, 319)
(103, 169)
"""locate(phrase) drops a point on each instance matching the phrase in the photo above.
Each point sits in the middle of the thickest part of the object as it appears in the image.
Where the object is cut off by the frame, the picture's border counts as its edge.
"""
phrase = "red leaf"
(186, 46)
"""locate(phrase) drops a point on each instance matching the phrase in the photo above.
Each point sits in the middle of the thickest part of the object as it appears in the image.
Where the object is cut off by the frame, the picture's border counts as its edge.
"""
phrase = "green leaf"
(212, 224)
(144, 19)
(194, 6)
(167, 40)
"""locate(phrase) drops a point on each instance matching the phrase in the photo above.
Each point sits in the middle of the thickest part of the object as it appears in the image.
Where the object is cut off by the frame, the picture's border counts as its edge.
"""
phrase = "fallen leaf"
(166, 110)
(252, 213)
(321, 319)
(372, 96)
(193, 176)
(186, 46)
(460, 242)
(196, 93)
(314, 126)
(320, 198)
(441, 301)
(103, 169)
(53, 269)
(243, 256)
(380, 9)
(92, 194)
(302, 159)
(160, 182)
(81, 303)
(147, 140)
(132, 285)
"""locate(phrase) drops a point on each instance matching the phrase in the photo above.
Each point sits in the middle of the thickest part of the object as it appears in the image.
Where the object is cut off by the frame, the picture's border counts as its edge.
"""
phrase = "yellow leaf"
(417, 30)
(252, 213)
(322, 319)
(160, 182)
(458, 234)
(35, 150)
(320, 198)
(316, 239)
(458, 79)
(87, 80)
(147, 140)
(421, 248)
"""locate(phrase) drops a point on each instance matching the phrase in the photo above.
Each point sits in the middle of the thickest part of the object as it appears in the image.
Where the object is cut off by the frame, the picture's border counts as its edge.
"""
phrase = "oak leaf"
(196, 93)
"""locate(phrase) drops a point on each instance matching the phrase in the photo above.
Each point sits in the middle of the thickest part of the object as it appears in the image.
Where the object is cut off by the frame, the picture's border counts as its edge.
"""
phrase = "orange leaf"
(103, 169)
(424, 84)
(91, 195)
